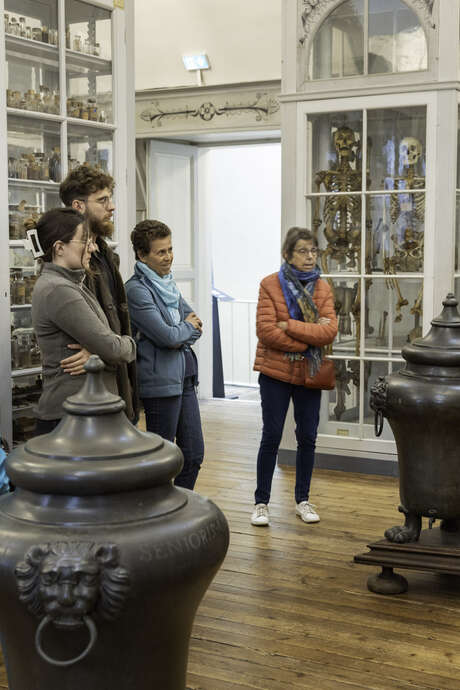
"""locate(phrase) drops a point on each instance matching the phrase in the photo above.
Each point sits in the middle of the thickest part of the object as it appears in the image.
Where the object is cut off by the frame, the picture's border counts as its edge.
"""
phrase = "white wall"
(242, 40)
(243, 215)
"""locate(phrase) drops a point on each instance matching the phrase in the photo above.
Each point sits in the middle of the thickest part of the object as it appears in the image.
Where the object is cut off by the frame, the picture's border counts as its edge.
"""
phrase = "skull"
(344, 141)
(410, 150)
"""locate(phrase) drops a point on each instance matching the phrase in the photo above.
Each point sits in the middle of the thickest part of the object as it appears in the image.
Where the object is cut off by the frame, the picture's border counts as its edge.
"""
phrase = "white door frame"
(199, 271)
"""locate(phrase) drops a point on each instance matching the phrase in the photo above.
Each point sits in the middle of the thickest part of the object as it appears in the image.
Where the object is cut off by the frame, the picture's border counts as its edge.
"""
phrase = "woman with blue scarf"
(295, 321)
(165, 327)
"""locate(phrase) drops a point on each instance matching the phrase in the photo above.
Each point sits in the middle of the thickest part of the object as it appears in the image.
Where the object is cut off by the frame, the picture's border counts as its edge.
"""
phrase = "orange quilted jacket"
(274, 343)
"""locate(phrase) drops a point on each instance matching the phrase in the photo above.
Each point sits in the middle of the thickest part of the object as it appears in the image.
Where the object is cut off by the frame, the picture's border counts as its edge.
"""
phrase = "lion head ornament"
(69, 581)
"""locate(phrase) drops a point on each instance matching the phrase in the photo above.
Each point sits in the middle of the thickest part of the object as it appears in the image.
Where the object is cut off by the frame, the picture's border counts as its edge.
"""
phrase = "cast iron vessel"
(103, 562)
(422, 405)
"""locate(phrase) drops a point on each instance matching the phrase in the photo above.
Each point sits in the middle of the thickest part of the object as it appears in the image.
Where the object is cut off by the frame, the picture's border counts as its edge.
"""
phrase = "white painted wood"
(5, 346)
(171, 189)
(173, 198)
(226, 342)
(288, 166)
(124, 135)
(186, 289)
(238, 341)
(203, 263)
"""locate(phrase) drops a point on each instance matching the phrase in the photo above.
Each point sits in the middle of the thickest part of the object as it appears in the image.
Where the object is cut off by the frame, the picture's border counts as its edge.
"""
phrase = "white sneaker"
(260, 515)
(305, 511)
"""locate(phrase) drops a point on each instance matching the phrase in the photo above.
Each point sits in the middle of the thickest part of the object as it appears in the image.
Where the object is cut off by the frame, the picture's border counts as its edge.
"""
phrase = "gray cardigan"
(64, 311)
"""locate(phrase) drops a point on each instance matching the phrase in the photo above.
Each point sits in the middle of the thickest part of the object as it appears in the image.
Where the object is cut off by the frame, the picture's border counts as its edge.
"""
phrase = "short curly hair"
(145, 233)
(83, 181)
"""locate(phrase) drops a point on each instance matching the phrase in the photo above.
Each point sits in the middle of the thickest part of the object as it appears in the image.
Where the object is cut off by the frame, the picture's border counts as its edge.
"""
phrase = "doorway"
(222, 199)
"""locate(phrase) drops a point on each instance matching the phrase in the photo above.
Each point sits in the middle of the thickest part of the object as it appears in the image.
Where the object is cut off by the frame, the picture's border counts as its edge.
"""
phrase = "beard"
(101, 228)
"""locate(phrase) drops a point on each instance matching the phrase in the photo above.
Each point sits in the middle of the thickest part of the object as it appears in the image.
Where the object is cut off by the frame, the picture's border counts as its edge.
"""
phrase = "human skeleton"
(408, 248)
(342, 224)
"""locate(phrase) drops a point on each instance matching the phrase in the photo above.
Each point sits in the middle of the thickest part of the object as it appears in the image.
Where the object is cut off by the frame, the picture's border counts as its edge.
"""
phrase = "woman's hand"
(74, 364)
(195, 321)
(323, 321)
(282, 324)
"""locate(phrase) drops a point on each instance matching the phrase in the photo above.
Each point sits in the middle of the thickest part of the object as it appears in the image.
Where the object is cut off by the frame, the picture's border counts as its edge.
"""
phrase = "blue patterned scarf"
(300, 304)
(166, 288)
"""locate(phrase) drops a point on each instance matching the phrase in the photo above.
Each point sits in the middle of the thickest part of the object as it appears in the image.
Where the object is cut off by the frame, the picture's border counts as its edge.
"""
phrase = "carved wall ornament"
(313, 12)
(262, 106)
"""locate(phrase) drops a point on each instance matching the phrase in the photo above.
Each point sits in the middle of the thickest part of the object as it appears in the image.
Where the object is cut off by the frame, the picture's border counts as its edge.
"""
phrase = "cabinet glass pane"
(338, 46)
(457, 234)
(397, 41)
(89, 62)
(32, 20)
(457, 215)
(28, 202)
(90, 145)
(25, 393)
(396, 230)
(335, 145)
(340, 407)
(336, 222)
(346, 297)
(335, 141)
(396, 148)
(394, 314)
(372, 372)
(33, 150)
(32, 76)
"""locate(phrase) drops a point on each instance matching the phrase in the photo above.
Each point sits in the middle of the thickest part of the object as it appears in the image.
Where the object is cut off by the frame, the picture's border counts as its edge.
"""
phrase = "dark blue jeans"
(178, 418)
(275, 396)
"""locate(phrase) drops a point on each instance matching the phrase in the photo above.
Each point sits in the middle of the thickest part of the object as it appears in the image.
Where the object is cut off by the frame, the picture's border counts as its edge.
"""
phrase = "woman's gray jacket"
(160, 342)
(65, 312)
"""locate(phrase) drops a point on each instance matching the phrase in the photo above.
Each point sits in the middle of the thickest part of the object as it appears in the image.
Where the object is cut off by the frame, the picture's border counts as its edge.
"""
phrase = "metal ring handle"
(378, 422)
(56, 662)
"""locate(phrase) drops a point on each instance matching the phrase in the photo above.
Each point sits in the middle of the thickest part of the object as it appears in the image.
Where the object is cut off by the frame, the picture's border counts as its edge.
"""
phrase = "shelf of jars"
(77, 63)
(37, 70)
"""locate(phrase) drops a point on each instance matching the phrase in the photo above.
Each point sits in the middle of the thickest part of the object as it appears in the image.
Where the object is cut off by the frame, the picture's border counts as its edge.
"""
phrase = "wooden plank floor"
(289, 609)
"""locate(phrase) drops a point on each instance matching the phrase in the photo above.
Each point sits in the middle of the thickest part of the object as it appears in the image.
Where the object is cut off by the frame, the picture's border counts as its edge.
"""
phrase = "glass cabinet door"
(43, 123)
(88, 62)
(366, 205)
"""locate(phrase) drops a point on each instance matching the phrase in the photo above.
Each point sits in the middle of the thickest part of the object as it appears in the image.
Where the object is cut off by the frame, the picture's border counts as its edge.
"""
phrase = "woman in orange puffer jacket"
(295, 320)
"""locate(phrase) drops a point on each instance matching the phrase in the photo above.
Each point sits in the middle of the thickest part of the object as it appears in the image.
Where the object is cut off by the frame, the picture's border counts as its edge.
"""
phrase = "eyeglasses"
(103, 201)
(89, 243)
(303, 252)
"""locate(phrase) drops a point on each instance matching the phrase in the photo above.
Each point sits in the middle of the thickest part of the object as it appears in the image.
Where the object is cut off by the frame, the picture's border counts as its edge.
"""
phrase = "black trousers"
(178, 418)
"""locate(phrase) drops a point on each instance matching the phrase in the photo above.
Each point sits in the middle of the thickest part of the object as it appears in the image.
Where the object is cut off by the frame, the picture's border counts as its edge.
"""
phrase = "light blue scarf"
(166, 288)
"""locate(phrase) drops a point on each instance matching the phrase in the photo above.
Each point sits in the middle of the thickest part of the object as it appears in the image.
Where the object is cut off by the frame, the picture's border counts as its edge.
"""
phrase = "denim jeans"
(275, 396)
(178, 418)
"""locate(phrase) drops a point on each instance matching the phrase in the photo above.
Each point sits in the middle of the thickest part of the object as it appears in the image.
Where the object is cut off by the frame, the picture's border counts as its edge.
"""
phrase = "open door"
(172, 197)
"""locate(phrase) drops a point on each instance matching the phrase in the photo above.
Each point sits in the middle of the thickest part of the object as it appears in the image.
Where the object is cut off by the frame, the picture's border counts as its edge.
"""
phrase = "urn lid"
(94, 449)
(441, 346)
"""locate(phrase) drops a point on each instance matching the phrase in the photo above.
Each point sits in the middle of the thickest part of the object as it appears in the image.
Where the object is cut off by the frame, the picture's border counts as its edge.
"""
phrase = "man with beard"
(89, 190)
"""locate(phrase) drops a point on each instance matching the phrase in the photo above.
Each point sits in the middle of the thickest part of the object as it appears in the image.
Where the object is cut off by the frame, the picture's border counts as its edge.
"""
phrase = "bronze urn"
(103, 562)
(422, 405)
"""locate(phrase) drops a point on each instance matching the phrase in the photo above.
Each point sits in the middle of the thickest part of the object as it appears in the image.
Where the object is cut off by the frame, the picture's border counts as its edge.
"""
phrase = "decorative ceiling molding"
(262, 106)
(212, 109)
(313, 12)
